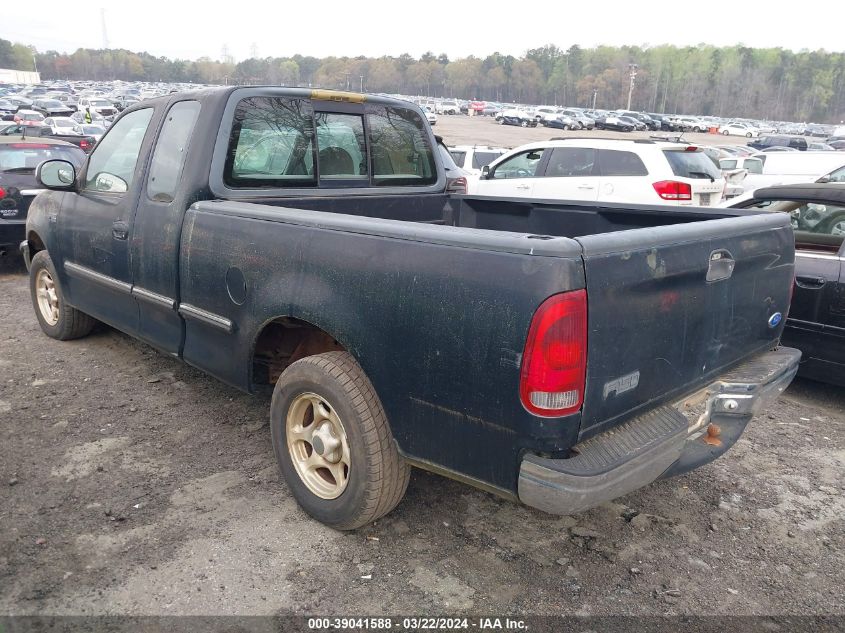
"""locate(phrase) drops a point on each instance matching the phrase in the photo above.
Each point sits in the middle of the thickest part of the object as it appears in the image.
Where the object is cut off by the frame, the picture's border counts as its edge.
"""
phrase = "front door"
(513, 177)
(95, 224)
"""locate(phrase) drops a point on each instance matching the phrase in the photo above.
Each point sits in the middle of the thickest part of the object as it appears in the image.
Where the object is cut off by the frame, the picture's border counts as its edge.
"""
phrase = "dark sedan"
(614, 123)
(52, 107)
(516, 117)
(19, 158)
(816, 323)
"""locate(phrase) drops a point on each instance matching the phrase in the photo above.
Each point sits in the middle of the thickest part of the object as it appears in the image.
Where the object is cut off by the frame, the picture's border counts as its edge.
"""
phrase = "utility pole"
(632, 73)
(347, 80)
(595, 94)
(362, 83)
(103, 24)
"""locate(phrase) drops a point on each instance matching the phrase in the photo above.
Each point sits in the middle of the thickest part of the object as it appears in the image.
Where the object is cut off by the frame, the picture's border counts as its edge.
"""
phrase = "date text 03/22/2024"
(415, 624)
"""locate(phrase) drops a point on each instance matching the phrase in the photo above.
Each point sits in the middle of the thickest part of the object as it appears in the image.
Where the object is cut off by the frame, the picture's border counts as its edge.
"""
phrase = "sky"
(189, 29)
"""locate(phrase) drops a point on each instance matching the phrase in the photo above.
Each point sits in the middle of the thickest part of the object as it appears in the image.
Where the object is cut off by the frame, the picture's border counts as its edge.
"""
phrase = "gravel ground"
(133, 484)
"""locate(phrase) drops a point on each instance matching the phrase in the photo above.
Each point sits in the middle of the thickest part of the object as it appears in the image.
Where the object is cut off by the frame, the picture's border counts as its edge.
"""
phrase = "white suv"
(604, 170)
(472, 158)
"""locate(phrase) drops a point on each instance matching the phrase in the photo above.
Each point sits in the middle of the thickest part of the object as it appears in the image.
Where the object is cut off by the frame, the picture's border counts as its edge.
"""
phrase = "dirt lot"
(133, 484)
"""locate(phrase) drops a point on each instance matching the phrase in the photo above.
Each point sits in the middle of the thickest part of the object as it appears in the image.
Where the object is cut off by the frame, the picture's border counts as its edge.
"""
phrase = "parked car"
(821, 147)
(837, 145)
(96, 118)
(667, 124)
(29, 117)
(739, 129)
(516, 117)
(817, 313)
(89, 129)
(586, 122)
(51, 108)
(85, 143)
(561, 122)
(691, 124)
(604, 170)
(473, 158)
(7, 107)
(399, 326)
(19, 158)
(60, 125)
(611, 122)
(447, 107)
(635, 123)
(784, 168)
(491, 109)
(97, 104)
(779, 140)
(430, 116)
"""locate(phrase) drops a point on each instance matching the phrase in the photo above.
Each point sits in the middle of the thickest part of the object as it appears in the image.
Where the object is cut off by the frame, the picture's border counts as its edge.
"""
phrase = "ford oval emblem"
(775, 319)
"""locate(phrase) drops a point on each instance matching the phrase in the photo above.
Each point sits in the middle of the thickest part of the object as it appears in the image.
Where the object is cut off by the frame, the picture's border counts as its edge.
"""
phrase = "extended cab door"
(571, 173)
(157, 229)
(514, 177)
(95, 224)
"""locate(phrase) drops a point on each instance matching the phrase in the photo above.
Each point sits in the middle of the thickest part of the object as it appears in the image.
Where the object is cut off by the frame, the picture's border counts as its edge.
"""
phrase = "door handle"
(810, 283)
(586, 187)
(120, 230)
(523, 187)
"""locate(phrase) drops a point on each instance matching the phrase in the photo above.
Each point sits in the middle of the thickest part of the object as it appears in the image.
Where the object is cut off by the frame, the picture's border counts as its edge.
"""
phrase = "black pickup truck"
(560, 354)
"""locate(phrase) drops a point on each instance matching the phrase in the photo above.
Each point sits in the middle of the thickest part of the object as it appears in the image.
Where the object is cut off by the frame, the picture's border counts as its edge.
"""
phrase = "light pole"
(595, 94)
(362, 82)
(632, 73)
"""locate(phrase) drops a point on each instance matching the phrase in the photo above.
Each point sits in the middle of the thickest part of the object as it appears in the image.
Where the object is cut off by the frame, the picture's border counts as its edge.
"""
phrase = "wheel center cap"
(318, 445)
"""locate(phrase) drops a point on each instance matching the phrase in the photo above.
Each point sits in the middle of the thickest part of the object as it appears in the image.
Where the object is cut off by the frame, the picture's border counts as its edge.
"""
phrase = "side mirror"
(59, 175)
(485, 172)
(824, 179)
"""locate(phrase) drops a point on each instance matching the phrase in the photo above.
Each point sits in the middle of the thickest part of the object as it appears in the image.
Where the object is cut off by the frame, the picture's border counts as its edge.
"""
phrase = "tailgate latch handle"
(721, 265)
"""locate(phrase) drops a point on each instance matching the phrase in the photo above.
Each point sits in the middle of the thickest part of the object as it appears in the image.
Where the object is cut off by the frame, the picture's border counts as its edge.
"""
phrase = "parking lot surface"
(134, 484)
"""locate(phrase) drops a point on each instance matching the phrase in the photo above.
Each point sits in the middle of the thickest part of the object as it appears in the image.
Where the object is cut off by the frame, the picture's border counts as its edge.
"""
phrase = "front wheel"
(57, 319)
(333, 443)
(725, 133)
(748, 135)
(524, 124)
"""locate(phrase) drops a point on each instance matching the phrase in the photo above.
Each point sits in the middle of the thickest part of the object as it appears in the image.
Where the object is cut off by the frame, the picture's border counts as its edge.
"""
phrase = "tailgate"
(670, 307)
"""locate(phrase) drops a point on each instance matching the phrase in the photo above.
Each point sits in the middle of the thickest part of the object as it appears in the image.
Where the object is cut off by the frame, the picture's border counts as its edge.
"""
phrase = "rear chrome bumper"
(664, 442)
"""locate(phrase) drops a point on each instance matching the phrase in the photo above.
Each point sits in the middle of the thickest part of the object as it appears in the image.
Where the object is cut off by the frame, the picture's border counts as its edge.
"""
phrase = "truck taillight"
(2, 192)
(83, 144)
(673, 190)
(456, 185)
(554, 363)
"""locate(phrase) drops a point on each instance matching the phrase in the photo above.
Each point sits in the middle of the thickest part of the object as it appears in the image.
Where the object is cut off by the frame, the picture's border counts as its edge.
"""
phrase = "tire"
(524, 124)
(57, 319)
(748, 135)
(376, 476)
(725, 133)
(565, 127)
(502, 121)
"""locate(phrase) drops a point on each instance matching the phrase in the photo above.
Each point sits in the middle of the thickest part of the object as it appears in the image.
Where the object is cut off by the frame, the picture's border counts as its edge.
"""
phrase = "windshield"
(27, 156)
(31, 116)
(99, 102)
(691, 164)
(92, 129)
(51, 104)
(63, 122)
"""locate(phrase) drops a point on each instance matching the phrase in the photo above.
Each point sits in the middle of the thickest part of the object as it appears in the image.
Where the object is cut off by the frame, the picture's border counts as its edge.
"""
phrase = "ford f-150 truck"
(560, 354)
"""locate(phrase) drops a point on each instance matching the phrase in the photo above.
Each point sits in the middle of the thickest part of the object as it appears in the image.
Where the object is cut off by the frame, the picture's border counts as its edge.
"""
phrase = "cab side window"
(522, 165)
(111, 168)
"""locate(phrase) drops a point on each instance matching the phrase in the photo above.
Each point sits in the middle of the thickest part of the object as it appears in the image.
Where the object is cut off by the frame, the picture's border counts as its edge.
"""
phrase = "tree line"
(735, 81)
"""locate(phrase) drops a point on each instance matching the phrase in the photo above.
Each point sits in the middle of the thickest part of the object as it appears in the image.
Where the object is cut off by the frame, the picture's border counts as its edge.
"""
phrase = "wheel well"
(283, 341)
(35, 243)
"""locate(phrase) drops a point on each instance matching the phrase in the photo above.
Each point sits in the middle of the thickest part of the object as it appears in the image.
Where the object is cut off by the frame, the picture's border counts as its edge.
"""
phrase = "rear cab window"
(290, 142)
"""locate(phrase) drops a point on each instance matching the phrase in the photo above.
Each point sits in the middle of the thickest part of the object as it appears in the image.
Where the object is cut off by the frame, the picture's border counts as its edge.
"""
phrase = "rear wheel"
(333, 443)
(502, 121)
(524, 124)
(748, 135)
(57, 319)
(725, 133)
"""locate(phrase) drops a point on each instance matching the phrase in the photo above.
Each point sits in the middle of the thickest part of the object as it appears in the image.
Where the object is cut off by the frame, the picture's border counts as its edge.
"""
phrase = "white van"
(786, 168)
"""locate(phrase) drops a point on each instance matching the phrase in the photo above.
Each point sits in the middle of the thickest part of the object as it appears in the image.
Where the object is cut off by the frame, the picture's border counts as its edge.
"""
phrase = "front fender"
(42, 224)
